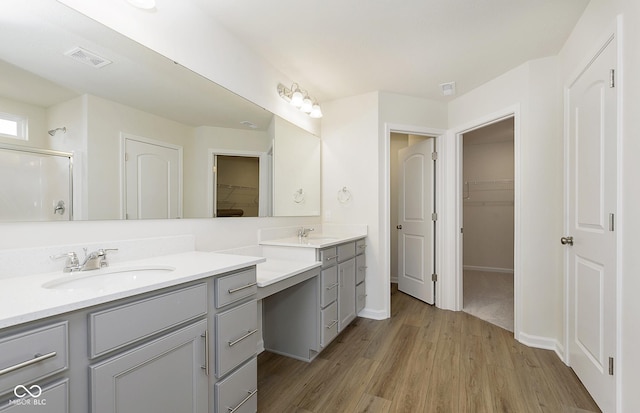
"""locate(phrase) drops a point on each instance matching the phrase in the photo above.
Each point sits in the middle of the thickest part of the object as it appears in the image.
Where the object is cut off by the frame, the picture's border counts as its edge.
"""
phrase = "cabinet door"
(165, 375)
(346, 293)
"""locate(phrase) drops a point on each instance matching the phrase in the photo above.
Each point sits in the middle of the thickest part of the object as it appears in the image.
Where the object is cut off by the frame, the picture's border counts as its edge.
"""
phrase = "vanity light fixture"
(300, 99)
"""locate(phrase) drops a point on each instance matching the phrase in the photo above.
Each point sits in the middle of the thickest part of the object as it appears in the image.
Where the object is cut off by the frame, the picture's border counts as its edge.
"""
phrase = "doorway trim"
(455, 193)
(385, 207)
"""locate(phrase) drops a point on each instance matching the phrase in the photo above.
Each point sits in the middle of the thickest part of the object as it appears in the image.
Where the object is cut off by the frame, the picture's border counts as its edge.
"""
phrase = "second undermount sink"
(108, 278)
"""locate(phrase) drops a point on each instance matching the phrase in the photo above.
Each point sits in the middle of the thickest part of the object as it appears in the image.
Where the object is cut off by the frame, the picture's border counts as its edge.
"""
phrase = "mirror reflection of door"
(152, 179)
(237, 183)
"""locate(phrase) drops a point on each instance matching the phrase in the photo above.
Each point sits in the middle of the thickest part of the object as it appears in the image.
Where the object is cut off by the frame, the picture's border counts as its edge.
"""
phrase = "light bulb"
(296, 98)
(307, 105)
(316, 112)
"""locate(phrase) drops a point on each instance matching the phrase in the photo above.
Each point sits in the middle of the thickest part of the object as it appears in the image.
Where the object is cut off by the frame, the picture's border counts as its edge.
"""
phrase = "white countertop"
(23, 299)
(313, 241)
(273, 270)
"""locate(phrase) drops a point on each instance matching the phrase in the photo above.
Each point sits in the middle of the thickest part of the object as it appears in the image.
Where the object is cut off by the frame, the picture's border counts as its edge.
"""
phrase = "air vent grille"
(87, 57)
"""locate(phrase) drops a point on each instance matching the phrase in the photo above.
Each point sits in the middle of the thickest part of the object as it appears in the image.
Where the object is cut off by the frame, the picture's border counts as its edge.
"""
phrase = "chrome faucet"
(92, 261)
(304, 232)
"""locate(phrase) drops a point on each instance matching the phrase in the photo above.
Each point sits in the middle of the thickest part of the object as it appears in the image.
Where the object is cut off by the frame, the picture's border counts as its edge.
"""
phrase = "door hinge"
(610, 366)
(434, 277)
(612, 78)
(612, 222)
(434, 216)
(126, 157)
(214, 169)
(462, 230)
(434, 156)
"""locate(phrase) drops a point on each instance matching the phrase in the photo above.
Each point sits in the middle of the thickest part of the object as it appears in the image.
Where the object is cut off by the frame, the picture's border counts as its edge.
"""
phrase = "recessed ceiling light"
(143, 4)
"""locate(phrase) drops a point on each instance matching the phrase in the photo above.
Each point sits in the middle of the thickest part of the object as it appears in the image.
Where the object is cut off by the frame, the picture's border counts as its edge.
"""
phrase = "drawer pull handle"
(36, 359)
(330, 258)
(244, 287)
(362, 246)
(362, 268)
(332, 286)
(249, 333)
(332, 324)
(233, 409)
(205, 335)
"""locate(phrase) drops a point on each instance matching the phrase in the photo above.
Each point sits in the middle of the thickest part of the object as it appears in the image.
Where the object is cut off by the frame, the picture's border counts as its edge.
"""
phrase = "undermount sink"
(108, 278)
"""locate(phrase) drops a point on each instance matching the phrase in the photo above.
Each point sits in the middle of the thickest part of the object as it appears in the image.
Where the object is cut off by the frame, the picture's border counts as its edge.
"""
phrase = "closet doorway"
(488, 222)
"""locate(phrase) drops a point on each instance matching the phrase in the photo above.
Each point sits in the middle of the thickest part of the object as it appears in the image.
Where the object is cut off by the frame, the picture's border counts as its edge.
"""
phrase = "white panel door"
(592, 246)
(415, 224)
(152, 180)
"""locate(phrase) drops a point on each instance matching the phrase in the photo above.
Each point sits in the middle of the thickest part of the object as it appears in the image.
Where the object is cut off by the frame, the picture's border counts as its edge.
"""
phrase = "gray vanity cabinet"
(346, 293)
(361, 274)
(27, 359)
(342, 259)
(165, 375)
(186, 348)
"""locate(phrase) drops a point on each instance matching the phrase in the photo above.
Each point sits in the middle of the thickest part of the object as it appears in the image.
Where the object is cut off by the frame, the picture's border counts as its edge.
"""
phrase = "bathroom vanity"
(301, 319)
(177, 332)
(181, 341)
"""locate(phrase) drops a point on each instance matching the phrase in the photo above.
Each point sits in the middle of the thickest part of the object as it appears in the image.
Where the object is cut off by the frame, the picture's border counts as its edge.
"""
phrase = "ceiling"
(338, 48)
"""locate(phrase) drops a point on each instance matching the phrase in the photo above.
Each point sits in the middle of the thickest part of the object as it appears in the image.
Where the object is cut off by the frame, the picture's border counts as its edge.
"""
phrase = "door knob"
(398, 226)
(566, 240)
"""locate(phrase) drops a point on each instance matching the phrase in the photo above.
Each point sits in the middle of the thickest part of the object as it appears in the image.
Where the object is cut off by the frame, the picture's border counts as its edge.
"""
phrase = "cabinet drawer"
(238, 392)
(346, 251)
(235, 287)
(361, 268)
(329, 324)
(33, 355)
(361, 246)
(328, 256)
(116, 327)
(328, 286)
(361, 296)
(53, 399)
(236, 336)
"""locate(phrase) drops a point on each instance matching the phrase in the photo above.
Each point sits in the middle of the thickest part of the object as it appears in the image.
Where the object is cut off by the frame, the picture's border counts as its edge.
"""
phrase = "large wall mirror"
(94, 126)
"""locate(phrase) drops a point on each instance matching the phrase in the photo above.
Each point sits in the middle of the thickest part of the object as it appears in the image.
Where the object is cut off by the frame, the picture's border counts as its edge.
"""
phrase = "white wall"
(598, 20)
(106, 121)
(533, 88)
(355, 155)
(296, 166)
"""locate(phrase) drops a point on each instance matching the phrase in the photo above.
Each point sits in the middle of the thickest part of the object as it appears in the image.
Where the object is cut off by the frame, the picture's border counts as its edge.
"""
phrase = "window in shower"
(13, 126)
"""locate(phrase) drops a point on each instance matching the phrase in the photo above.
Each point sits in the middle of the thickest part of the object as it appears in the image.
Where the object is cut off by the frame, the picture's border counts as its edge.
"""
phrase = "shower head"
(52, 132)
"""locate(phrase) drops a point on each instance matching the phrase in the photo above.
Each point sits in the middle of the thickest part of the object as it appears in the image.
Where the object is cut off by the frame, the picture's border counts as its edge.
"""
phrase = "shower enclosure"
(35, 184)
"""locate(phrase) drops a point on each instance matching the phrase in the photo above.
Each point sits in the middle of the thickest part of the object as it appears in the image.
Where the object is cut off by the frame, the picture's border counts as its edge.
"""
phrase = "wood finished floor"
(422, 359)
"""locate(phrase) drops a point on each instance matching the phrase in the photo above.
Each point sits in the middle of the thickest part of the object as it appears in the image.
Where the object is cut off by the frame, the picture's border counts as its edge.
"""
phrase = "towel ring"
(344, 195)
(298, 196)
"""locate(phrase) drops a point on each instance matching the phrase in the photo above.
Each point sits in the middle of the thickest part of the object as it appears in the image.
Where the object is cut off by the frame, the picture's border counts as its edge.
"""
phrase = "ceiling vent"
(448, 89)
(87, 57)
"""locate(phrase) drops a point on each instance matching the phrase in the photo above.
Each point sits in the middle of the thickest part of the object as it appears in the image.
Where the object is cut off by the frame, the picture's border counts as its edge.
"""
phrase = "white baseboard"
(545, 343)
(394, 280)
(487, 269)
(373, 314)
